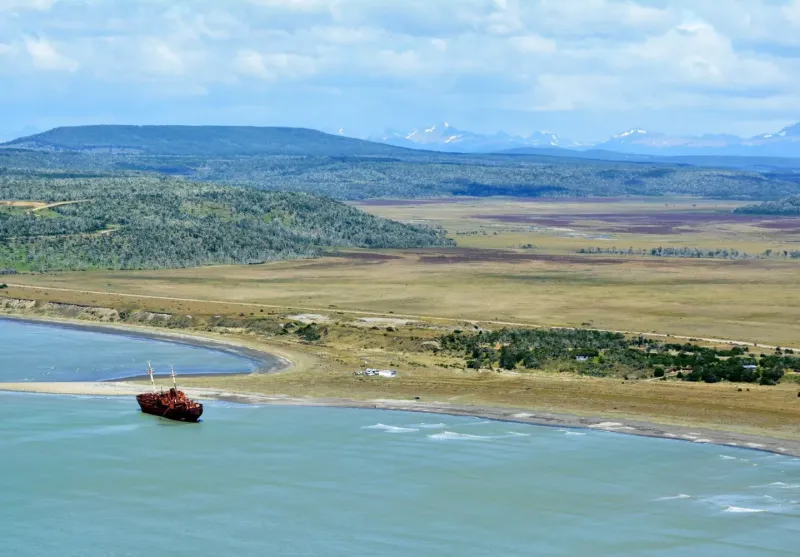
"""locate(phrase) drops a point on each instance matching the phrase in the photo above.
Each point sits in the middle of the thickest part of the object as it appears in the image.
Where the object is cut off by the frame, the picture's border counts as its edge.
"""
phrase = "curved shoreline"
(265, 362)
(121, 387)
(699, 435)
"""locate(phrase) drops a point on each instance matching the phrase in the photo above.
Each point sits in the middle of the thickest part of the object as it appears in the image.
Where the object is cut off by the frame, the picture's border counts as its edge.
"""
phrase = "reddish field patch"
(790, 224)
(501, 256)
(366, 256)
(646, 223)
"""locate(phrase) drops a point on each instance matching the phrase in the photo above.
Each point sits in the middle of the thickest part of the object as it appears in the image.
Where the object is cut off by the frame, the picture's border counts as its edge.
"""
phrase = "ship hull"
(178, 414)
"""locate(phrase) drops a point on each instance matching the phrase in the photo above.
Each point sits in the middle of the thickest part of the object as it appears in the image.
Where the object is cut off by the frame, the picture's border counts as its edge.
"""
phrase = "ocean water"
(92, 477)
(34, 352)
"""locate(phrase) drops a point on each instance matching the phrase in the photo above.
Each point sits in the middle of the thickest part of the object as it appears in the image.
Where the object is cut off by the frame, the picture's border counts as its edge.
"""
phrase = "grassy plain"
(382, 306)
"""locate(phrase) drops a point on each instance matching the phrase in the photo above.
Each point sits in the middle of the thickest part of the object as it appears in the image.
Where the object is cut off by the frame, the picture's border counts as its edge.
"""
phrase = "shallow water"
(92, 477)
(34, 352)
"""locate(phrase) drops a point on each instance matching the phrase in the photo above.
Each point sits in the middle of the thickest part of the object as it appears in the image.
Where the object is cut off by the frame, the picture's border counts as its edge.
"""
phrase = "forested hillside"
(53, 220)
(215, 141)
(421, 174)
(789, 206)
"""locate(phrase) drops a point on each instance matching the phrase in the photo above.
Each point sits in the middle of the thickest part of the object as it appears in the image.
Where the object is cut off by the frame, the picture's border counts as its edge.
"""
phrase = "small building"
(373, 372)
(581, 358)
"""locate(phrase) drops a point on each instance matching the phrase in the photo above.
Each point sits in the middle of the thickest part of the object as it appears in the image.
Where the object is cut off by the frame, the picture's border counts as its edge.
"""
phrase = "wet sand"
(551, 419)
(268, 359)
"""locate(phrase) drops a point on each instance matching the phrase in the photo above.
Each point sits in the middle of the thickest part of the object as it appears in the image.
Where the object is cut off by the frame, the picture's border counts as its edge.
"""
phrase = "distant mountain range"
(780, 149)
(444, 137)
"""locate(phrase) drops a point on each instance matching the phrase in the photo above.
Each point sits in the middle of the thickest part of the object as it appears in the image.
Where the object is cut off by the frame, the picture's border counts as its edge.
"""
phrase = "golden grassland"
(483, 223)
(325, 371)
(753, 301)
(418, 294)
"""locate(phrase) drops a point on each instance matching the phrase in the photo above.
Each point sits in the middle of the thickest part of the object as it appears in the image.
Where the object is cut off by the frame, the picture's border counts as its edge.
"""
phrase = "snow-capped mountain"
(790, 132)
(444, 137)
(783, 143)
(637, 141)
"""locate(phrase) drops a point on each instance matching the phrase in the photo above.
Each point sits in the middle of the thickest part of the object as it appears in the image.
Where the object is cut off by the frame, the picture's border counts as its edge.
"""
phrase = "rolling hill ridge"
(200, 141)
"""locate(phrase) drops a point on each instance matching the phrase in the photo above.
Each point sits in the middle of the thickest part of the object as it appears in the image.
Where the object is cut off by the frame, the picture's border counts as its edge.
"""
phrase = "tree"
(508, 358)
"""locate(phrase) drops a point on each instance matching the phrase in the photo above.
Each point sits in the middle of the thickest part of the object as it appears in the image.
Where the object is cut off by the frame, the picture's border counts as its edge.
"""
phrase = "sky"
(584, 69)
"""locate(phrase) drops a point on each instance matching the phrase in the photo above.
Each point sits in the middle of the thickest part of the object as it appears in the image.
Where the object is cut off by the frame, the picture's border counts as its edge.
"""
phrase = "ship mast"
(150, 373)
(172, 374)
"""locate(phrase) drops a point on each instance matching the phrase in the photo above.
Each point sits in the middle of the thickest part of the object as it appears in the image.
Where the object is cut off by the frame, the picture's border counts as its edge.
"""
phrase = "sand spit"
(284, 362)
(550, 419)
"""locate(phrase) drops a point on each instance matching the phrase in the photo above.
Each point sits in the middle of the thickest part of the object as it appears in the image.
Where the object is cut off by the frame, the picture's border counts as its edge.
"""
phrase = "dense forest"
(694, 253)
(206, 141)
(601, 353)
(286, 159)
(133, 221)
(789, 206)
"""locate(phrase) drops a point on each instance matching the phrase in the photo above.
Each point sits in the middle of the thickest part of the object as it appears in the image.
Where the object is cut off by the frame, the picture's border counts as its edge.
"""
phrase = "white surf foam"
(391, 428)
(452, 435)
(574, 433)
(674, 497)
(726, 457)
(732, 509)
(780, 485)
(424, 425)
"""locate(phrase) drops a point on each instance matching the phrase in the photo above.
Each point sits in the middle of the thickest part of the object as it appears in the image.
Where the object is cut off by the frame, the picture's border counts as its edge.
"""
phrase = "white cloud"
(407, 63)
(270, 67)
(545, 55)
(534, 44)
(44, 56)
(792, 12)
(567, 92)
(338, 35)
(161, 58)
(18, 5)
(302, 5)
(695, 52)
(439, 44)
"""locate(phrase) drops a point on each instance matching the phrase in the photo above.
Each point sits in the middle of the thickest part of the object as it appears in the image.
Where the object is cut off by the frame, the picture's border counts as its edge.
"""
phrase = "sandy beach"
(628, 427)
(242, 348)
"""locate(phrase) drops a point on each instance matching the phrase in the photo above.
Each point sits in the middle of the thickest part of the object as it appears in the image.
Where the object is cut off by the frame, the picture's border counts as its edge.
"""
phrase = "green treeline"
(602, 353)
(695, 253)
(789, 206)
(136, 221)
(421, 174)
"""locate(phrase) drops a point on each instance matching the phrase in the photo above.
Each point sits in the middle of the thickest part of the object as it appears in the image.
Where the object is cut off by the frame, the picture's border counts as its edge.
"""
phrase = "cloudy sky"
(582, 68)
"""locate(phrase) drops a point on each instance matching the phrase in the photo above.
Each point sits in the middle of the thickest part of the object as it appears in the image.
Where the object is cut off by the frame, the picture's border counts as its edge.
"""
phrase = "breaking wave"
(674, 497)
(424, 425)
(732, 509)
(391, 428)
(452, 436)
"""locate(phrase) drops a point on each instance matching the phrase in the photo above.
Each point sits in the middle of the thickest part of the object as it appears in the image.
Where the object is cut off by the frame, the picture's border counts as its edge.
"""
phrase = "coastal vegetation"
(135, 221)
(603, 353)
(326, 367)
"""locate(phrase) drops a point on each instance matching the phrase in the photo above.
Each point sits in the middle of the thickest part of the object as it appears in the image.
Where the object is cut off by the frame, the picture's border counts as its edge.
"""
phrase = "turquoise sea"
(91, 477)
(38, 352)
